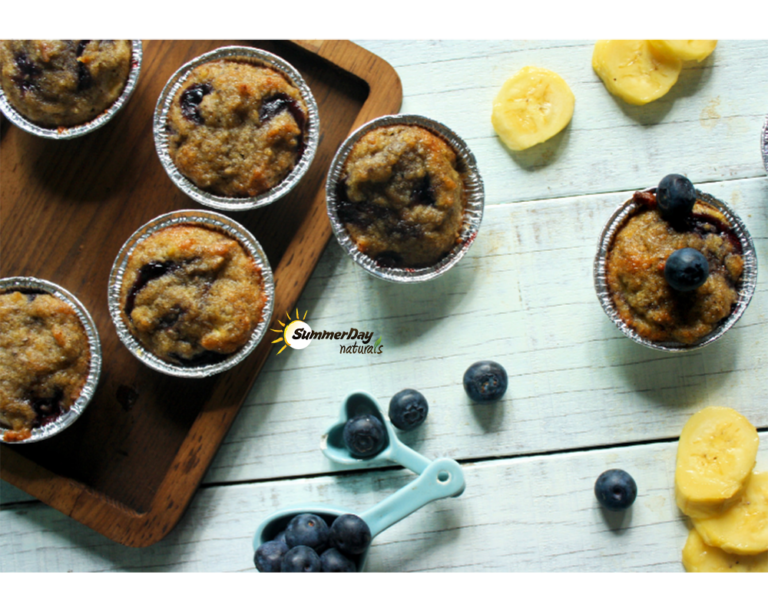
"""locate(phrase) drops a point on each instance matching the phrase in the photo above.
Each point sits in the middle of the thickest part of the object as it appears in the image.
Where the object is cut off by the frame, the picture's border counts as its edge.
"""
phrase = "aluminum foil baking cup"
(764, 144)
(473, 190)
(72, 132)
(215, 221)
(13, 284)
(258, 57)
(746, 285)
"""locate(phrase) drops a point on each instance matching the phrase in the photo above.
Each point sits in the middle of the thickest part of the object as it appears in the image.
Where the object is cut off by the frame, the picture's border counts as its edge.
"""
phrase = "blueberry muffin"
(635, 272)
(63, 83)
(44, 361)
(401, 196)
(236, 129)
(191, 295)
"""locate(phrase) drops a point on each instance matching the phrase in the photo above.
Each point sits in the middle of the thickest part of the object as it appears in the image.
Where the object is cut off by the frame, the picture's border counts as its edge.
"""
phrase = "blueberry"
(365, 436)
(408, 409)
(301, 559)
(686, 269)
(280, 537)
(269, 556)
(615, 489)
(334, 561)
(190, 101)
(350, 534)
(485, 381)
(675, 197)
(307, 530)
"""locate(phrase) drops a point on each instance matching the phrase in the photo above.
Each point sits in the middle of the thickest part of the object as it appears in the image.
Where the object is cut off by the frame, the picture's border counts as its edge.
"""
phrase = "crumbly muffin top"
(401, 196)
(44, 361)
(236, 129)
(641, 294)
(191, 295)
(63, 83)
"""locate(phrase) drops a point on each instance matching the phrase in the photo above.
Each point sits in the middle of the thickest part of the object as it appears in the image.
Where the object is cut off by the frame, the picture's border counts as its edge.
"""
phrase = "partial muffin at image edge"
(63, 83)
(401, 196)
(45, 361)
(191, 295)
(635, 272)
(236, 128)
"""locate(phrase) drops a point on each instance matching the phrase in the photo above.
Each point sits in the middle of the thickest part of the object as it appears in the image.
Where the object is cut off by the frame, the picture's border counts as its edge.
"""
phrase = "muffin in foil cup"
(64, 133)
(67, 418)
(257, 57)
(746, 286)
(473, 205)
(214, 221)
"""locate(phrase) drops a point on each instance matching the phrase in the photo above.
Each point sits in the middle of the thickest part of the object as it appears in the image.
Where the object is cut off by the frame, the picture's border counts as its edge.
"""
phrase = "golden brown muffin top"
(401, 196)
(44, 361)
(236, 129)
(191, 295)
(640, 292)
(60, 83)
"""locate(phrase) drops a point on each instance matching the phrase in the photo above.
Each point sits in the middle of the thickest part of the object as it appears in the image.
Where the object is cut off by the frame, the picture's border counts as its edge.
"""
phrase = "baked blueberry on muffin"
(63, 83)
(235, 128)
(191, 295)
(662, 306)
(44, 361)
(401, 196)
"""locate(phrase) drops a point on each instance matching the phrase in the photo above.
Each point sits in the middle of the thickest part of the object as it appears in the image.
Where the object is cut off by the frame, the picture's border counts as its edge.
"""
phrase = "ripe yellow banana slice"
(685, 50)
(634, 70)
(743, 529)
(715, 457)
(531, 107)
(699, 557)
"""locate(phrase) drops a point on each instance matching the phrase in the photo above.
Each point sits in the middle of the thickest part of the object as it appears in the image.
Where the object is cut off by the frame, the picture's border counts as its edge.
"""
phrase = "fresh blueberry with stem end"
(301, 559)
(686, 269)
(307, 530)
(615, 489)
(365, 436)
(675, 197)
(334, 561)
(408, 409)
(350, 534)
(269, 556)
(485, 381)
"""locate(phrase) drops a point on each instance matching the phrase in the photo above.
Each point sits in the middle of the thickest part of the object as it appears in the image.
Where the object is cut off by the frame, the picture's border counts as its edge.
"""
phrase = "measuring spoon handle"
(404, 455)
(442, 478)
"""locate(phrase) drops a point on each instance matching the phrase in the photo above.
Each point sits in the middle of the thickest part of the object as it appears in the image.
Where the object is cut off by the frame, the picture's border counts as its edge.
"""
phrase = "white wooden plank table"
(582, 398)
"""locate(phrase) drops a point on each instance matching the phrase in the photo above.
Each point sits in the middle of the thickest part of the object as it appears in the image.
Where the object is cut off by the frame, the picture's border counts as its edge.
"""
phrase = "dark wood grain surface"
(130, 465)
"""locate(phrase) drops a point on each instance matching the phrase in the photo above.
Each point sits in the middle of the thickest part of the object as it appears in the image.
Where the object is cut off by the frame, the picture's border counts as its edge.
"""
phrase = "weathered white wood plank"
(523, 296)
(532, 514)
(707, 127)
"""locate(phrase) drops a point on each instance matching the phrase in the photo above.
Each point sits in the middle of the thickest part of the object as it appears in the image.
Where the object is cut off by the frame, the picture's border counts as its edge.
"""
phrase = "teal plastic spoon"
(357, 403)
(441, 479)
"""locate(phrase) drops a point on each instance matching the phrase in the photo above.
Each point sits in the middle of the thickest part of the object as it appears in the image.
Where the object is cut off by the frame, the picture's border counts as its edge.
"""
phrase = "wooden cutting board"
(129, 466)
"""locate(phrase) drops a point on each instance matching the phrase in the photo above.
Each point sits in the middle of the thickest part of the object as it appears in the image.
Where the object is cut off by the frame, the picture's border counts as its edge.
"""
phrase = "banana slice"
(685, 50)
(531, 107)
(715, 457)
(699, 557)
(743, 529)
(634, 70)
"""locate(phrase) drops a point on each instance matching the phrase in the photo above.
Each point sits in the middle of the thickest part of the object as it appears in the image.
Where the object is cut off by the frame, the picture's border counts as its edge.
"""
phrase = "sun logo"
(289, 331)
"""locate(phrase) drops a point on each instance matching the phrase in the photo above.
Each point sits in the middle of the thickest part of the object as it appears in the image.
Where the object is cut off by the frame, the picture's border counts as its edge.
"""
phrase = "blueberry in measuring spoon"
(301, 559)
(485, 381)
(615, 490)
(686, 269)
(269, 556)
(350, 534)
(365, 436)
(334, 561)
(307, 530)
(408, 409)
(675, 197)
